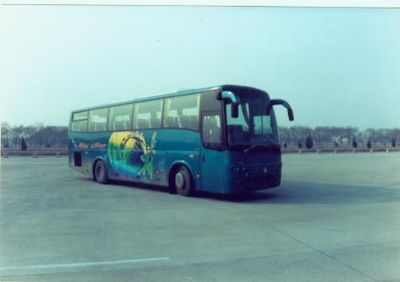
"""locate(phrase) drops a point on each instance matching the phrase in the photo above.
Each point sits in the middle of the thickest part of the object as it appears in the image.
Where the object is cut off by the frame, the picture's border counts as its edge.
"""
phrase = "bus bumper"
(249, 178)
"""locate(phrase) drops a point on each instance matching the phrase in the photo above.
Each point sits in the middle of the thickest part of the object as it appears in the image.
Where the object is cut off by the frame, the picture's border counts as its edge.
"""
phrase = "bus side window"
(79, 121)
(182, 112)
(147, 114)
(120, 117)
(211, 132)
(98, 120)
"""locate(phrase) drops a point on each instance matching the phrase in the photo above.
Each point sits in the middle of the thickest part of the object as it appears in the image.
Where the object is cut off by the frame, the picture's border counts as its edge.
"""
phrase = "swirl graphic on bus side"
(130, 155)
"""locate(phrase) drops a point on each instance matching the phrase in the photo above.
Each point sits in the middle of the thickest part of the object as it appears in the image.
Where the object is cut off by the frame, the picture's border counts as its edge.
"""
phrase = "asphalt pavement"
(336, 217)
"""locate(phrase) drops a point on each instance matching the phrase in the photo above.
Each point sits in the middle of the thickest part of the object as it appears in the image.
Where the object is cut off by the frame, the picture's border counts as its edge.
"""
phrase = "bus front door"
(213, 159)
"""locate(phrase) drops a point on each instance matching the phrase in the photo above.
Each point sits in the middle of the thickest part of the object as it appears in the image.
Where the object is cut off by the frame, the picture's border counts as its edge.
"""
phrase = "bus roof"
(170, 94)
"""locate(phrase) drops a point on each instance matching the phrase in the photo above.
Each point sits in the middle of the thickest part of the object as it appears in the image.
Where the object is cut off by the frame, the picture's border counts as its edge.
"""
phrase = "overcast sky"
(337, 67)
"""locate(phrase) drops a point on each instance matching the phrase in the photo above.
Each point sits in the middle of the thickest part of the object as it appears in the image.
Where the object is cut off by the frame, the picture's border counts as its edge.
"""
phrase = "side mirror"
(274, 102)
(231, 97)
(290, 114)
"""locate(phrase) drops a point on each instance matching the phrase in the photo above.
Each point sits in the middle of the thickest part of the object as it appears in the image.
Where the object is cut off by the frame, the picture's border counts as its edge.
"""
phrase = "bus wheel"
(100, 172)
(183, 182)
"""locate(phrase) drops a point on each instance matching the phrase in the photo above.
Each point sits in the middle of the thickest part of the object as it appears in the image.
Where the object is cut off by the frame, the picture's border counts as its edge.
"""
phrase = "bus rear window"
(79, 121)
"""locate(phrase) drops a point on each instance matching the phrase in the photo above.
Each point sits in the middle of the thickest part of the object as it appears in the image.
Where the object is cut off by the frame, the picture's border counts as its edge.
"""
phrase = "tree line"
(33, 136)
(40, 136)
(330, 136)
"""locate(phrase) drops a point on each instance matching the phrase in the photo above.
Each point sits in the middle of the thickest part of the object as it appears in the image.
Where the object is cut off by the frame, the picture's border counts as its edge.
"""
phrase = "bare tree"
(5, 134)
(309, 142)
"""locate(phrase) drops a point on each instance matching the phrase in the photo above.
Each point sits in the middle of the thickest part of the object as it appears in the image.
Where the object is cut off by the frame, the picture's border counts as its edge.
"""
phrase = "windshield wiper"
(265, 146)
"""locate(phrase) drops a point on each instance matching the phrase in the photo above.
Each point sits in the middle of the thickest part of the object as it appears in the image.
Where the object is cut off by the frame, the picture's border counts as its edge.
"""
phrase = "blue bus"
(221, 139)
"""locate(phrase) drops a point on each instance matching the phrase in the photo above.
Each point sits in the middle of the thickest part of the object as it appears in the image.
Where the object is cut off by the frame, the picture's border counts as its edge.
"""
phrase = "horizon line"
(279, 126)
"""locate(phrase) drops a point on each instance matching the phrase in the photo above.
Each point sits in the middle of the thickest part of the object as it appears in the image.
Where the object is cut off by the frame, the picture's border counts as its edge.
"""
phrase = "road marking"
(44, 267)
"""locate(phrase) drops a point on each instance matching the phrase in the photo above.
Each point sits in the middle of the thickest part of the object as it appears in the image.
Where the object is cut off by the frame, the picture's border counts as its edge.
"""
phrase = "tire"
(182, 182)
(100, 172)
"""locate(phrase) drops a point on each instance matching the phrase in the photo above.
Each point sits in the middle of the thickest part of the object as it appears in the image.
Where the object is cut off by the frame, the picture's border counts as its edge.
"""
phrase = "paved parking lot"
(336, 217)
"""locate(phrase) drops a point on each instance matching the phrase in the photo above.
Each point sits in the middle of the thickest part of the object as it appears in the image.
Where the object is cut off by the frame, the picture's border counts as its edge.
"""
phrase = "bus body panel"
(144, 156)
(179, 147)
(213, 177)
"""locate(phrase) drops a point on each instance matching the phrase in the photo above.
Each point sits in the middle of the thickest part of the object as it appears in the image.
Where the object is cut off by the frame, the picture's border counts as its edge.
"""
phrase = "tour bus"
(221, 139)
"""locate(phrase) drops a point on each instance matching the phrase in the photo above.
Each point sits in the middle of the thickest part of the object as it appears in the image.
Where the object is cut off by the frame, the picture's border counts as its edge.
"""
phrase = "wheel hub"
(179, 180)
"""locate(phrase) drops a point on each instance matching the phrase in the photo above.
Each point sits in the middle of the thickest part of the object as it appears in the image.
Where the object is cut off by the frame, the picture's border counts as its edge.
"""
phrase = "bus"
(221, 139)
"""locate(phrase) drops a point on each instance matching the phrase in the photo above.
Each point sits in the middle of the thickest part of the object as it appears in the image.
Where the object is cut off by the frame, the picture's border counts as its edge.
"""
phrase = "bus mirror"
(229, 96)
(290, 114)
(283, 103)
(235, 110)
(232, 98)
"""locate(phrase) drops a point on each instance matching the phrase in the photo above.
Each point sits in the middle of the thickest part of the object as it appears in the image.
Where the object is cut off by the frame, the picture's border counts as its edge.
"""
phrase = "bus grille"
(255, 177)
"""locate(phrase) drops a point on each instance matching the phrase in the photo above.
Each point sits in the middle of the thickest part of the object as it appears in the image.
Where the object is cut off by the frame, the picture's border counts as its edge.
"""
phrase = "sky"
(335, 66)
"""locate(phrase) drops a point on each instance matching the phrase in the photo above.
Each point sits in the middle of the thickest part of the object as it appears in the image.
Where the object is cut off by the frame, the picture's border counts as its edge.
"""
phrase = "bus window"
(262, 124)
(211, 132)
(147, 114)
(79, 121)
(120, 117)
(252, 125)
(182, 112)
(238, 128)
(98, 120)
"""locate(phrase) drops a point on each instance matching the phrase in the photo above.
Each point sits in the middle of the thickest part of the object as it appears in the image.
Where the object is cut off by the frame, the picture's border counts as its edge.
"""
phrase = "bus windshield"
(252, 126)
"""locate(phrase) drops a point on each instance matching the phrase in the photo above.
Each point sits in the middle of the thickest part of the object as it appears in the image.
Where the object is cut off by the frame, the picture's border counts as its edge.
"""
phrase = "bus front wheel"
(100, 172)
(183, 182)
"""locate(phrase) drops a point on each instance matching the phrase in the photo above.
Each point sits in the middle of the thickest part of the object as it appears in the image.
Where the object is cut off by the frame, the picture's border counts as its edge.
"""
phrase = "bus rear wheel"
(100, 172)
(183, 182)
